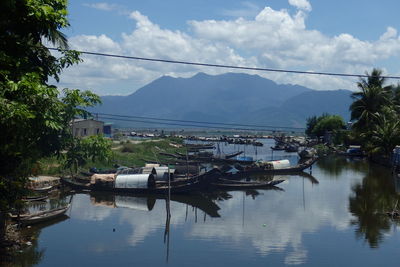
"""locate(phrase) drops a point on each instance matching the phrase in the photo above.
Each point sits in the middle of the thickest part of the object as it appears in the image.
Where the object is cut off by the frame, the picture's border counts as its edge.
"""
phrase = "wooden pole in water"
(169, 184)
(187, 164)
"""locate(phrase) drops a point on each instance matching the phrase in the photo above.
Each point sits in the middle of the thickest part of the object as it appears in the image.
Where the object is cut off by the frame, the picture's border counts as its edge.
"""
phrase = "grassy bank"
(129, 153)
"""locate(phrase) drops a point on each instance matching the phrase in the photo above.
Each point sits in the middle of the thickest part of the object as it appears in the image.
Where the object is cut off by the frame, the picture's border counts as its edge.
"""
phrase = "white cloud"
(301, 4)
(272, 39)
(248, 9)
(102, 6)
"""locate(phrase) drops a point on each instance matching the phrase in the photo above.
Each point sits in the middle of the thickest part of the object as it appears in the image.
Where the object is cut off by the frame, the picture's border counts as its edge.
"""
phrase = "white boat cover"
(279, 164)
(134, 180)
(151, 165)
(162, 173)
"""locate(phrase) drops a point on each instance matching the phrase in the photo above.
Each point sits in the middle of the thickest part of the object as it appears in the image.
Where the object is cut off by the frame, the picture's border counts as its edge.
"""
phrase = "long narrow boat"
(177, 186)
(29, 219)
(229, 184)
(288, 170)
(34, 198)
(42, 189)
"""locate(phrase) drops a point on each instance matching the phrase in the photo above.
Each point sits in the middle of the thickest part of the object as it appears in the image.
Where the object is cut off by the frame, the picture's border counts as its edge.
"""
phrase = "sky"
(341, 36)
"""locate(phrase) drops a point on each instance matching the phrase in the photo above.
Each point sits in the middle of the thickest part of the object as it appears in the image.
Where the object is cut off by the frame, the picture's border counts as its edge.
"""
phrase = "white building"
(86, 127)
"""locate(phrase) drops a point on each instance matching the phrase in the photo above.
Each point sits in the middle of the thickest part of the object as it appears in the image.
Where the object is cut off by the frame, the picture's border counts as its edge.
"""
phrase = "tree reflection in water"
(335, 165)
(369, 203)
(32, 255)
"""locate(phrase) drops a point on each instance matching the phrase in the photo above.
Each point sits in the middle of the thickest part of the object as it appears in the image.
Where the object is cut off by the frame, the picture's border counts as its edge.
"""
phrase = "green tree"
(370, 100)
(328, 123)
(384, 136)
(310, 124)
(34, 116)
(80, 151)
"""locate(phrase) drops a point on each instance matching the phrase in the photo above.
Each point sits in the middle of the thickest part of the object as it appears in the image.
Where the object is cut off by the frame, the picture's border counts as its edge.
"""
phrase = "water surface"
(334, 217)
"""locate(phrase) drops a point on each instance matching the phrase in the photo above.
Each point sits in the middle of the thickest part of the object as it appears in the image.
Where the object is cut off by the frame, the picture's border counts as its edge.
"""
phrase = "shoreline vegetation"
(125, 152)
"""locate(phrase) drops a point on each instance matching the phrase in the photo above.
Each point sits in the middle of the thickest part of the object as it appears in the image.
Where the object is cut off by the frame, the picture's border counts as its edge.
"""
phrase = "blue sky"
(333, 36)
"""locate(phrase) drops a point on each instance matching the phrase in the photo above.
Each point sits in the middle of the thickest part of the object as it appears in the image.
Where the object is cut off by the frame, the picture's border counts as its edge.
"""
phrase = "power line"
(203, 122)
(223, 66)
(187, 125)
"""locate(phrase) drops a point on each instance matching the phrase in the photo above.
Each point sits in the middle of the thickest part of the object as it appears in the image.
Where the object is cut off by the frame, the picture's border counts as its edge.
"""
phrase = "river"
(333, 217)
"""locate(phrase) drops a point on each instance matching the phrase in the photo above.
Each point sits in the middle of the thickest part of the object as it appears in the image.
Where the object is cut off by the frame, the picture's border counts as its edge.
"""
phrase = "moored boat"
(232, 184)
(145, 183)
(275, 167)
(29, 219)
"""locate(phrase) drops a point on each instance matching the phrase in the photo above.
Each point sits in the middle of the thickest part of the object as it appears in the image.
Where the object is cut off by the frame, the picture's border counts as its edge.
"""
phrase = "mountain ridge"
(229, 97)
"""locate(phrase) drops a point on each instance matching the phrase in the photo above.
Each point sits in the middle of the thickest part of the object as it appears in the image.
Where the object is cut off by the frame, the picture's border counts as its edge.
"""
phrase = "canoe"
(277, 148)
(29, 219)
(231, 184)
(42, 189)
(34, 198)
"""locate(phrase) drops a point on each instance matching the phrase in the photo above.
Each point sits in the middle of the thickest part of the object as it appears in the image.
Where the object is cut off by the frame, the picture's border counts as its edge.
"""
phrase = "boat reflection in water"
(123, 201)
(147, 202)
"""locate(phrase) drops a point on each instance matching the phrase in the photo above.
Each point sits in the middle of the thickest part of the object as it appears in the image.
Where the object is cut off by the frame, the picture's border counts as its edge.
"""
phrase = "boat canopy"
(147, 170)
(151, 165)
(102, 178)
(162, 173)
(274, 164)
(134, 181)
(280, 164)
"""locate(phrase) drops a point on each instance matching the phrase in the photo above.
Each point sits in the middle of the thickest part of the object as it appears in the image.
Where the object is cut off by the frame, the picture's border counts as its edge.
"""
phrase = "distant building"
(107, 129)
(86, 127)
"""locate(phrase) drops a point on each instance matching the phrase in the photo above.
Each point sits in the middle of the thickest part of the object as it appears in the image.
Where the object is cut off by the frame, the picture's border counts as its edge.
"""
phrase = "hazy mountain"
(230, 97)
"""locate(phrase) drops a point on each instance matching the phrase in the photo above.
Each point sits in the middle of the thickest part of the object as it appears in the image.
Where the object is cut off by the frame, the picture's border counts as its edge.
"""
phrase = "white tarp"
(279, 164)
(134, 180)
(162, 173)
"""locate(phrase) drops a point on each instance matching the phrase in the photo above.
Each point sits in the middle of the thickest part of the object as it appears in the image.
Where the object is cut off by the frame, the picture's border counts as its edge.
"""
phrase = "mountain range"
(228, 98)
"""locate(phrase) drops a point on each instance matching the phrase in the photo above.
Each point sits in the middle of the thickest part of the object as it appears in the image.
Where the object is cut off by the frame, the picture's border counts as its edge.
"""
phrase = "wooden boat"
(231, 184)
(42, 189)
(34, 198)
(291, 148)
(158, 189)
(29, 219)
(193, 159)
(288, 170)
(277, 148)
(179, 185)
(200, 146)
(229, 156)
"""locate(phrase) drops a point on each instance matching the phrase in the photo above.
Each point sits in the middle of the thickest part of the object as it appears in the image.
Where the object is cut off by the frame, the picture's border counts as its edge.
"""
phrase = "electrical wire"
(192, 125)
(221, 65)
(201, 122)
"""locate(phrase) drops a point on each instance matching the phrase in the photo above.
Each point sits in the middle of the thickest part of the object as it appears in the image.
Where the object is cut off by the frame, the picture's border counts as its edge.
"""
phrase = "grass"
(131, 154)
(125, 153)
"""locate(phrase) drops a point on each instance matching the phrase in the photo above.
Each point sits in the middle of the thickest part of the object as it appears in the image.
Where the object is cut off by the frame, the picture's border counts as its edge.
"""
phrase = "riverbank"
(125, 152)
(16, 241)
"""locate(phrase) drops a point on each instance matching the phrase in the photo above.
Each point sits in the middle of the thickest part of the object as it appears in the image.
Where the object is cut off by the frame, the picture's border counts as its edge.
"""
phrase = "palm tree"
(370, 100)
(385, 135)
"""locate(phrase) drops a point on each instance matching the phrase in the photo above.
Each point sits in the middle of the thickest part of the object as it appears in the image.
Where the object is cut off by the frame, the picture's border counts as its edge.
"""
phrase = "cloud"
(119, 9)
(247, 9)
(301, 4)
(271, 39)
(103, 6)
